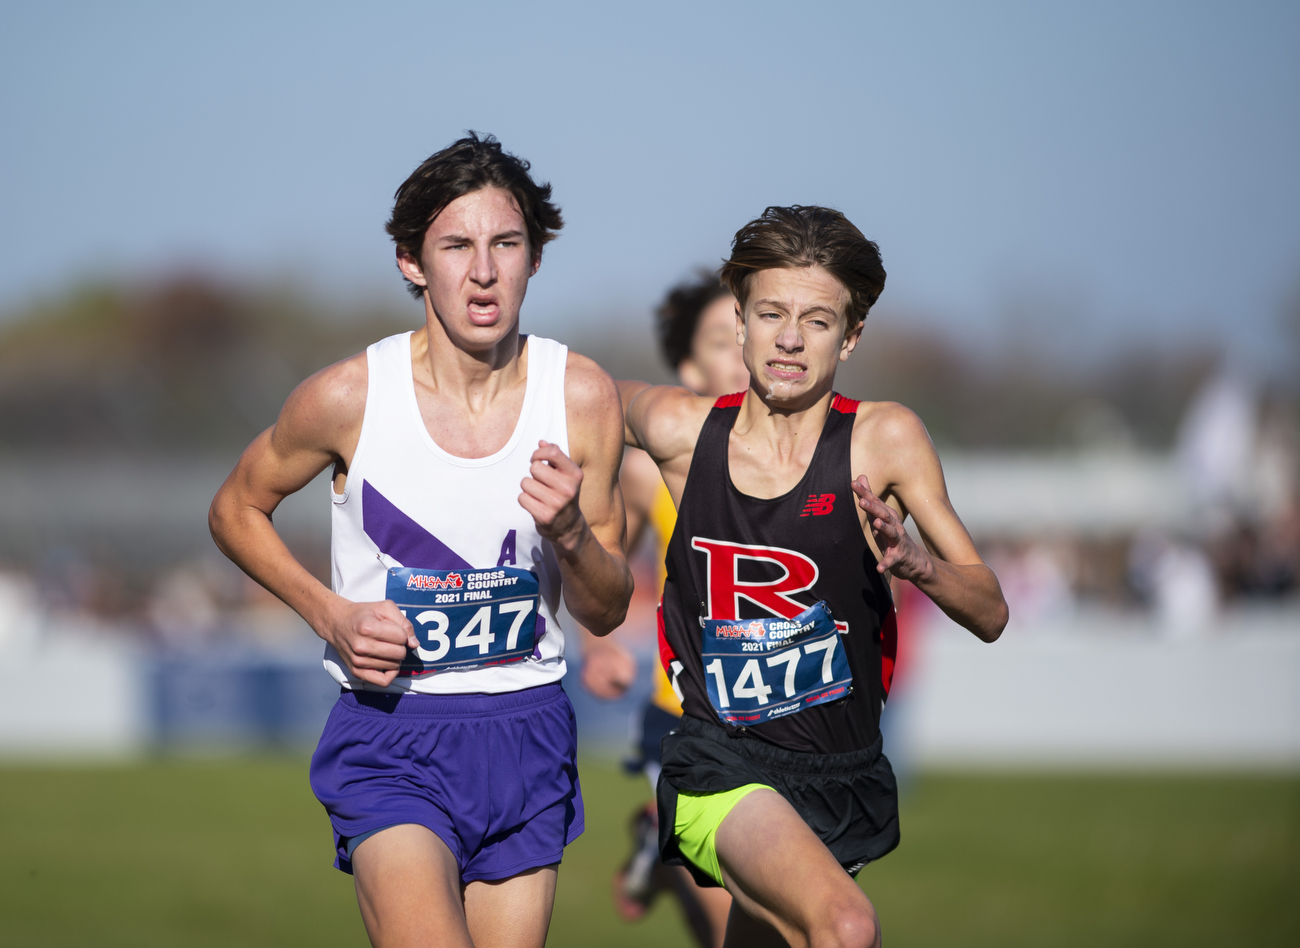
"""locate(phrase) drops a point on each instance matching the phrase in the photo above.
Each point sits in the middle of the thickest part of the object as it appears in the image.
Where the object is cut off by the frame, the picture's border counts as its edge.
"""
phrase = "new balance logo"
(819, 505)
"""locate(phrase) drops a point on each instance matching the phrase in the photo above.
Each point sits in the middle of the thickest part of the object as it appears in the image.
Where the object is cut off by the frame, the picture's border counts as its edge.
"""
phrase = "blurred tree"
(184, 365)
(194, 364)
(1024, 400)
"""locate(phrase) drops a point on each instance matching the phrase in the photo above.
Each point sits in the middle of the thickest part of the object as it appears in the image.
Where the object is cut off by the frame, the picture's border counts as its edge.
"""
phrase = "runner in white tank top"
(475, 486)
(408, 502)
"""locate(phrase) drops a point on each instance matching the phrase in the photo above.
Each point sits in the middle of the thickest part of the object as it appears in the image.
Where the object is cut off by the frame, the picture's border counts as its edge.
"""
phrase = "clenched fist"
(550, 495)
(608, 669)
(373, 638)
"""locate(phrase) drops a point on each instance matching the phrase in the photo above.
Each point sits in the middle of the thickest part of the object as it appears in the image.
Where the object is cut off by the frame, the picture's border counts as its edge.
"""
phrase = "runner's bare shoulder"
(588, 387)
(325, 411)
(668, 419)
(892, 441)
(590, 394)
(889, 425)
(593, 411)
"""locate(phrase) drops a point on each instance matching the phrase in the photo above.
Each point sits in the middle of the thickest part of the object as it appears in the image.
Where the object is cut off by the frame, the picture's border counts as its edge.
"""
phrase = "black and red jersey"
(733, 556)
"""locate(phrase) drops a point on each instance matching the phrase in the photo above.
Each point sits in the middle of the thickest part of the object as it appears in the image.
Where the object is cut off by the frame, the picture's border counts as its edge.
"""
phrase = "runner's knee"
(847, 926)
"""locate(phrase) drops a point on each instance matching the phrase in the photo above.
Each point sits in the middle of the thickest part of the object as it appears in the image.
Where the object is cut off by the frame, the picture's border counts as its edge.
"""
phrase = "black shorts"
(655, 724)
(849, 800)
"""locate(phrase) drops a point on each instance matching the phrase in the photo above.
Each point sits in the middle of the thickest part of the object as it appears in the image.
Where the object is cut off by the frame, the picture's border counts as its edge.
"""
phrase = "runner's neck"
(769, 452)
(475, 379)
(784, 434)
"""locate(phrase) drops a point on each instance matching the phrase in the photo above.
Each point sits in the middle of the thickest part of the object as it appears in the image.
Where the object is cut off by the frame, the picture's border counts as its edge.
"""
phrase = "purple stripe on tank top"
(400, 537)
(538, 635)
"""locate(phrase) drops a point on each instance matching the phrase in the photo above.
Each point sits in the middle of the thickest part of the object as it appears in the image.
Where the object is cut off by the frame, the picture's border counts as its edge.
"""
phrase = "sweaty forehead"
(798, 289)
(487, 210)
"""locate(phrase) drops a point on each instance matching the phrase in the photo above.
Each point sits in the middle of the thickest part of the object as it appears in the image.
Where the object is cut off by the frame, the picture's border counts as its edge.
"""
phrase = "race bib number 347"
(466, 618)
(760, 669)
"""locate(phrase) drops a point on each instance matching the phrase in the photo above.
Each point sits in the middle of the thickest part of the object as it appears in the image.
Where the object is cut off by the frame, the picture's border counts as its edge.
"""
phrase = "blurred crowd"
(1183, 580)
(1238, 461)
(204, 602)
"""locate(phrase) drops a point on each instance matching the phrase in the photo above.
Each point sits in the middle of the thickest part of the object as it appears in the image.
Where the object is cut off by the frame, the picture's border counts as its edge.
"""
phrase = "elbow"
(614, 612)
(215, 524)
(219, 521)
(617, 614)
(992, 631)
(600, 626)
(607, 623)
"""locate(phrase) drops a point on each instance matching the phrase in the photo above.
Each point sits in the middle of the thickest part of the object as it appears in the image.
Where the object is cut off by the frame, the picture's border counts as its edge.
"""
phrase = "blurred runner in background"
(697, 336)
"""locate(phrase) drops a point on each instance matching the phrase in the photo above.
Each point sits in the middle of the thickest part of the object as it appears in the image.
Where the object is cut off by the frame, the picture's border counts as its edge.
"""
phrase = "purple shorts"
(493, 776)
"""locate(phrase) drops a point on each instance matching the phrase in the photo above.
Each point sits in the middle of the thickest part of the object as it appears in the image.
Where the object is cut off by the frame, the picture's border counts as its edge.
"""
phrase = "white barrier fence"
(1093, 690)
(74, 695)
(1104, 689)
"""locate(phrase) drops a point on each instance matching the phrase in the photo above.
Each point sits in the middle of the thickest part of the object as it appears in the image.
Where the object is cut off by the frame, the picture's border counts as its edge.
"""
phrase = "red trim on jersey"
(666, 654)
(848, 406)
(733, 400)
(888, 649)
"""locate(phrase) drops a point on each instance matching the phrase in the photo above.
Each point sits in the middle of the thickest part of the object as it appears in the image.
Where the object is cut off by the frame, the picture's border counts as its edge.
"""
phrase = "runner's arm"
(316, 423)
(640, 482)
(577, 504)
(653, 416)
(627, 393)
(947, 567)
(608, 668)
(665, 422)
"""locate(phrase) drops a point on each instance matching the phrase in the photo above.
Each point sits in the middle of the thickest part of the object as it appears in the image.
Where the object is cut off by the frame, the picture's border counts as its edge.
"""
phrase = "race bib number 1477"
(760, 669)
(466, 618)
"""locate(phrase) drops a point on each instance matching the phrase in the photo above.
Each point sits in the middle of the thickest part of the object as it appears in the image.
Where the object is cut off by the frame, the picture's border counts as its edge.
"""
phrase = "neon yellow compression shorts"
(698, 817)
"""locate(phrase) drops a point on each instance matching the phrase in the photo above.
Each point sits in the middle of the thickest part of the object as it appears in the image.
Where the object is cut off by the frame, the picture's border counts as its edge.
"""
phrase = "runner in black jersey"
(777, 622)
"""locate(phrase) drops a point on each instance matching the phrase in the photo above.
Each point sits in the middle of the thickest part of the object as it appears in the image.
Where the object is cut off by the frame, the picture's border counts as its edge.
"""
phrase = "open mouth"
(787, 371)
(483, 309)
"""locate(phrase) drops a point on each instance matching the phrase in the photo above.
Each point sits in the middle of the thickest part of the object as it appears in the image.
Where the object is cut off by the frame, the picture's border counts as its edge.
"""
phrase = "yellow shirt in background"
(663, 517)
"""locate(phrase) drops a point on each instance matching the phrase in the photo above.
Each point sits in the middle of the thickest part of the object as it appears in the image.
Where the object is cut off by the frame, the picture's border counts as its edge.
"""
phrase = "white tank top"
(408, 503)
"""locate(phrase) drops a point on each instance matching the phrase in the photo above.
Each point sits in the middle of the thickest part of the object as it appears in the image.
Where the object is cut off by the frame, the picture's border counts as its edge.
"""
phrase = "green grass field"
(181, 853)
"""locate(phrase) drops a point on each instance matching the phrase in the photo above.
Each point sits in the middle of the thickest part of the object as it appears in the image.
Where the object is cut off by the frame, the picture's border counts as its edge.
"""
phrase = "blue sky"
(1081, 175)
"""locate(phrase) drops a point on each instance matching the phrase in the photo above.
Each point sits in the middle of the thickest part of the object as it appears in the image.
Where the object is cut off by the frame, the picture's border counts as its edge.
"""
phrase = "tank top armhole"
(548, 365)
(663, 517)
(561, 369)
(844, 416)
(373, 358)
(846, 406)
(714, 437)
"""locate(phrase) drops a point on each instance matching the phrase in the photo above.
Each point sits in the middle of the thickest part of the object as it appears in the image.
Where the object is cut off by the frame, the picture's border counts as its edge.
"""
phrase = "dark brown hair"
(679, 313)
(465, 166)
(785, 238)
